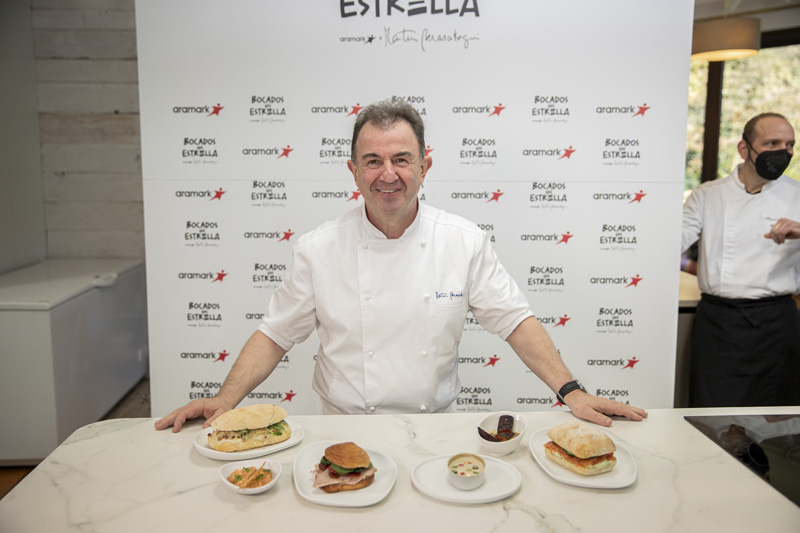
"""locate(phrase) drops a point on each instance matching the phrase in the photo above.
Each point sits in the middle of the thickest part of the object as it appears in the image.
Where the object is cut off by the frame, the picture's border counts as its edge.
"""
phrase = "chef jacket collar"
(375, 233)
(764, 188)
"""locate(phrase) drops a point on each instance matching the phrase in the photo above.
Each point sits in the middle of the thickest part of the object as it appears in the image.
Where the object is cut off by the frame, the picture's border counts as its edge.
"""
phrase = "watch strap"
(569, 387)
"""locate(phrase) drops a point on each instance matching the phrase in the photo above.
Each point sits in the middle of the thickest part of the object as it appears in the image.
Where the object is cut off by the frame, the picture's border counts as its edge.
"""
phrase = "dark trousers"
(745, 353)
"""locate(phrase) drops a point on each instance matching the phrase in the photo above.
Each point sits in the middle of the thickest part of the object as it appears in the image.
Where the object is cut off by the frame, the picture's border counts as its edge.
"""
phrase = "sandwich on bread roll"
(249, 427)
(581, 448)
(344, 466)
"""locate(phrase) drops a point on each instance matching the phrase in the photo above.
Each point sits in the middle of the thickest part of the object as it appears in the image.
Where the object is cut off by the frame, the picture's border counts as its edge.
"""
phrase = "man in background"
(746, 334)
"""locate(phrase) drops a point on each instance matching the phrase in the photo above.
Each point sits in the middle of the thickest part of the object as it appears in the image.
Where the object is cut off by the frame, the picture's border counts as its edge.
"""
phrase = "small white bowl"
(227, 469)
(489, 425)
(466, 482)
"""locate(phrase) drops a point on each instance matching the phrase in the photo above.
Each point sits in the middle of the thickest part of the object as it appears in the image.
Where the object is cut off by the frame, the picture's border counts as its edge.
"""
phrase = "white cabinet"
(73, 342)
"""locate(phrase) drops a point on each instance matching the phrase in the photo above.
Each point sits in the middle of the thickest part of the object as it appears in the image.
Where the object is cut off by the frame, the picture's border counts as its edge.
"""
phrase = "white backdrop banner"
(558, 127)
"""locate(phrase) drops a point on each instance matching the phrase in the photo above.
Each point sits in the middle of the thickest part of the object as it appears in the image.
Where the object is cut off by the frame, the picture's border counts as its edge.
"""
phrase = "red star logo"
(289, 395)
(637, 196)
(355, 110)
(562, 321)
(285, 152)
(428, 150)
(631, 362)
(568, 153)
(642, 109)
(497, 109)
(557, 404)
(492, 360)
(565, 237)
(217, 109)
(496, 196)
(220, 276)
(635, 281)
(218, 194)
(222, 355)
(286, 236)
(356, 194)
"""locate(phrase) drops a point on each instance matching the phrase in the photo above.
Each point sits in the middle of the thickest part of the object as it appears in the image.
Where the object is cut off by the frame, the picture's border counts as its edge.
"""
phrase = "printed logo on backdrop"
(273, 152)
(267, 275)
(615, 320)
(204, 315)
(479, 361)
(622, 111)
(334, 151)
(267, 109)
(478, 196)
(619, 281)
(334, 110)
(477, 152)
(554, 321)
(618, 238)
(471, 323)
(268, 193)
(479, 110)
(198, 110)
(214, 357)
(546, 279)
(550, 109)
(474, 399)
(550, 152)
(203, 389)
(548, 195)
(199, 151)
(415, 101)
(530, 401)
(620, 395)
(340, 195)
(547, 238)
(274, 396)
(213, 277)
(620, 197)
(622, 152)
(202, 234)
(274, 236)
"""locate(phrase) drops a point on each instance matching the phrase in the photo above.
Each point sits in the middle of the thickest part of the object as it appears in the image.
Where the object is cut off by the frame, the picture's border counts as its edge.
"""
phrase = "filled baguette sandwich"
(344, 466)
(581, 448)
(249, 427)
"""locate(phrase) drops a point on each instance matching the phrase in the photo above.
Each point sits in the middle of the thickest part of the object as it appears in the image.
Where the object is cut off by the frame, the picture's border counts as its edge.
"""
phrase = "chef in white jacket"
(388, 286)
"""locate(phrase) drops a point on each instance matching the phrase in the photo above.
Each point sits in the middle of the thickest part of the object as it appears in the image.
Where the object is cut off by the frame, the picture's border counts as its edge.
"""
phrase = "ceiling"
(774, 14)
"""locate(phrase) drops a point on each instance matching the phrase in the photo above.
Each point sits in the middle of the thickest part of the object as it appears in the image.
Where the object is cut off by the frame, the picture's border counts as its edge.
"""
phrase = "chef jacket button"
(426, 297)
(424, 353)
(422, 243)
(371, 354)
(365, 246)
(371, 409)
(367, 298)
(423, 408)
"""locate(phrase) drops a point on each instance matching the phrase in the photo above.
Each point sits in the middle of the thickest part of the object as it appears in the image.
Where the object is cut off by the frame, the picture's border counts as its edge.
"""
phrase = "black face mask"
(770, 164)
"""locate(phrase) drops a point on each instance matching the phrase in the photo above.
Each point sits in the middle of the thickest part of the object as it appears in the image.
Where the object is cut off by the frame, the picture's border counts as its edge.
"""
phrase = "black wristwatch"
(569, 387)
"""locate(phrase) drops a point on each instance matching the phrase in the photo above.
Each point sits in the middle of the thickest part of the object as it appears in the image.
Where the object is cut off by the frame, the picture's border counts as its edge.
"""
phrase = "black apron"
(745, 352)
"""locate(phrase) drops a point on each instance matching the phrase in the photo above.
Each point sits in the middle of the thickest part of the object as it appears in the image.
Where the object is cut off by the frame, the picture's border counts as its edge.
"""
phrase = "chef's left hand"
(782, 230)
(594, 408)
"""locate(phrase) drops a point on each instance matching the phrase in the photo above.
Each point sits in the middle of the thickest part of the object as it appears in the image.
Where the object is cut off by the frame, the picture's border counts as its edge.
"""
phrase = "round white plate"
(430, 478)
(227, 469)
(308, 458)
(201, 445)
(623, 475)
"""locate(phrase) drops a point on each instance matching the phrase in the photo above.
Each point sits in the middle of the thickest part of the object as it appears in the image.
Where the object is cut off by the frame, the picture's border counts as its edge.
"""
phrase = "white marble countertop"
(123, 475)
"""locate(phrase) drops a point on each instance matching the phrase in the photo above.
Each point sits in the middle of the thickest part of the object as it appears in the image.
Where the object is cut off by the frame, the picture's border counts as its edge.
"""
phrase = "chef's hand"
(782, 230)
(594, 408)
(210, 408)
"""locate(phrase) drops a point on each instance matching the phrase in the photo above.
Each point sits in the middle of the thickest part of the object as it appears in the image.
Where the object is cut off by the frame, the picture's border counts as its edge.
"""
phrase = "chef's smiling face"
(389, 170)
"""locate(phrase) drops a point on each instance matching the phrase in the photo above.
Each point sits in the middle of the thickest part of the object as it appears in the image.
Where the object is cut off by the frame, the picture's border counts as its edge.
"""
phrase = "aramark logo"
(198, 150)
(379, 8)
(204, 194)
(621, 281)
(334, 151)
(548, 195)
(479, 361)
(483, 196)
(267, 275)
(536, 401)
(629, 110)
(267, 109)
(275, 151)
(204, 110)
(202, 233)
(478, 151)
(268, 193)
(212, 276)
(204, 314)
(618, 320)
(212, 356)
(268, 395)
(546, 278)
(621, 152)
(627, 197)
(343, 194)
(557, 238)
(553, 321)
(488, 110)
(550, 109)
(618, 238)
(269, 235)
(345, 110)
(553, 153)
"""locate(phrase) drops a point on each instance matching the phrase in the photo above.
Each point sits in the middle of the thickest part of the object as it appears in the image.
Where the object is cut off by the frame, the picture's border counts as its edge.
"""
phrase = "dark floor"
(135, 405)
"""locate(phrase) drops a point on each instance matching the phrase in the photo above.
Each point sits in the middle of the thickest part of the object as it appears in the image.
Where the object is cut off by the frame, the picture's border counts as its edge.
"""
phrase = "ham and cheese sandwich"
(581, 448)
(344, 466)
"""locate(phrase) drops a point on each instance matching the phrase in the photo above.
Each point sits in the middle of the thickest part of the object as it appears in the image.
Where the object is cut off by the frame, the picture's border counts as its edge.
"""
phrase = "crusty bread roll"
(254, 439)
(250, 417)
(339, 487)
(581, 440)
(347, 455)
(584, 467)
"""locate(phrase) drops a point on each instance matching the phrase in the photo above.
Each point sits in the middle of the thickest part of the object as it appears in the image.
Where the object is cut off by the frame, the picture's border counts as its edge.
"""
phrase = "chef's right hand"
(210, 408)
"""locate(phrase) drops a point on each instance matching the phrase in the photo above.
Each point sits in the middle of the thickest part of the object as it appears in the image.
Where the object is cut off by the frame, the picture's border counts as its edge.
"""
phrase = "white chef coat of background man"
(746, 332)
(387, 287)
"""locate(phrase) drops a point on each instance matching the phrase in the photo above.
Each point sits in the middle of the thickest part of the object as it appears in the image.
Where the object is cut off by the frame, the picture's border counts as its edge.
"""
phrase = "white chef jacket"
(390, 312)
(736, 261)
